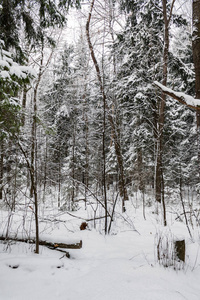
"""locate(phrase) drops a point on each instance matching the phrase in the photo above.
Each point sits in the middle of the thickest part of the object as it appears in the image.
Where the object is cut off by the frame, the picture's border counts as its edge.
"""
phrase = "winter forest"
(99, 149)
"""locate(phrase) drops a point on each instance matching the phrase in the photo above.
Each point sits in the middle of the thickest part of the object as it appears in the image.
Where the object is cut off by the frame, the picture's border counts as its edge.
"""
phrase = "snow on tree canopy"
(63, 110)
(9, 68)
(4, 75)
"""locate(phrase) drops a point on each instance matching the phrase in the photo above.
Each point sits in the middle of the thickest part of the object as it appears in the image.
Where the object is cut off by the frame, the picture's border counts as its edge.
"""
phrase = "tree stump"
(179, 247)
(83, 226)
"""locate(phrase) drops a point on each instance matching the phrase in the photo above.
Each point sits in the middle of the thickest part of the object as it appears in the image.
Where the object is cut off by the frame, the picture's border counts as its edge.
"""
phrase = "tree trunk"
(33, 166)
(179, 248)
(196, 58)
(85, 118)
(159, 169)
(159, 164)
(104, 140)
(182, 203)
(196, 46)
(1, 168)
(24, 105)
(59, 178)
(45, 170)
(73, 165)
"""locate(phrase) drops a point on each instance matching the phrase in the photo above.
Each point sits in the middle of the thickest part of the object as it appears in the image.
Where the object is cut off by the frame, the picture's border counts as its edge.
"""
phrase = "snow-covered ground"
(120, 266)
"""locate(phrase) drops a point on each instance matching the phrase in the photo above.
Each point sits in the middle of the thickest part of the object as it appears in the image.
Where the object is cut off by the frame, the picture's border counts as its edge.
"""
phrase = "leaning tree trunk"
(122, 187)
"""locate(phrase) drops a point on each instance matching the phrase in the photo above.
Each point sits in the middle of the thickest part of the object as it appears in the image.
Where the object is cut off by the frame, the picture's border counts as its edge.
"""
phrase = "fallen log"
(61, 245)
(52, 246)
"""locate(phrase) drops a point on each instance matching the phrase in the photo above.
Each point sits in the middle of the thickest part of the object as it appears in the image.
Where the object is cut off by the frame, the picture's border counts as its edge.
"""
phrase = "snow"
(64, 110)
(119, 266)
(6, 53)
(9, 68)
(22, 71)
(189, 100)
(29, 71)
(4, 75)
(15, 70)
(4, 63)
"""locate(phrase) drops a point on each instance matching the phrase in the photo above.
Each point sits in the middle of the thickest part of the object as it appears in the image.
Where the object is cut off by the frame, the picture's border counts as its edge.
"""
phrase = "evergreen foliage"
(12, 78)
(139, 50)
(20, 16)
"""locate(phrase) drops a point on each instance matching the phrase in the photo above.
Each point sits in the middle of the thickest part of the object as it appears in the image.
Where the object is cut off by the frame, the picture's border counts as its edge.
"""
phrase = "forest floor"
(119, 266)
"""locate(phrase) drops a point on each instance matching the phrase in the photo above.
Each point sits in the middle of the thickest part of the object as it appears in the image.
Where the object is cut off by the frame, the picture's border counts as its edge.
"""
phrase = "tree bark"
(24, 105)
(159, 169)
(52, 246)
(77, 245)
(179, 248)
(1, 168)
(196, 46)
(159, 189)
(104, 143)
(85, 118)
(196, 58)
(33, 191)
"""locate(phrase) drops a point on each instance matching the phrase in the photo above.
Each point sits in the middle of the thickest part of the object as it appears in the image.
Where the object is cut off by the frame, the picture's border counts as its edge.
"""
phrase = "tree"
(181, 97)
(139, 50)
(143, 54)
(116, 138)
(19, 16)
(12, 78)
(159, 172)
(196, 58)
(66, 112)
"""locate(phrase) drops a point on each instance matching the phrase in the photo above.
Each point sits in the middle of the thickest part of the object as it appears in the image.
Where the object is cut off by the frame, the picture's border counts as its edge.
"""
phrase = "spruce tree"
(139, 51)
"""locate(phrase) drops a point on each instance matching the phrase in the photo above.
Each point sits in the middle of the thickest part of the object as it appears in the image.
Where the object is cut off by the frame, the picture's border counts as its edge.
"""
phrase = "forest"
(99, 149)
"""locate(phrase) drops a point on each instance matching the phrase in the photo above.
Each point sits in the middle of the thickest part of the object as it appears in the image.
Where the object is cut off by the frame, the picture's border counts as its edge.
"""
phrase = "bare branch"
(171, 10)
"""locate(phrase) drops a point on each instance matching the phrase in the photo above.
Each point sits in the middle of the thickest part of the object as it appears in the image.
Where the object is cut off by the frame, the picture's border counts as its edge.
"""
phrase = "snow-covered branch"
(180, 96)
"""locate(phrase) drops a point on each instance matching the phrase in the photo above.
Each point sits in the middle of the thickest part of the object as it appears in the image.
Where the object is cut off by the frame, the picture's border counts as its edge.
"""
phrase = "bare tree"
(122, 187)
